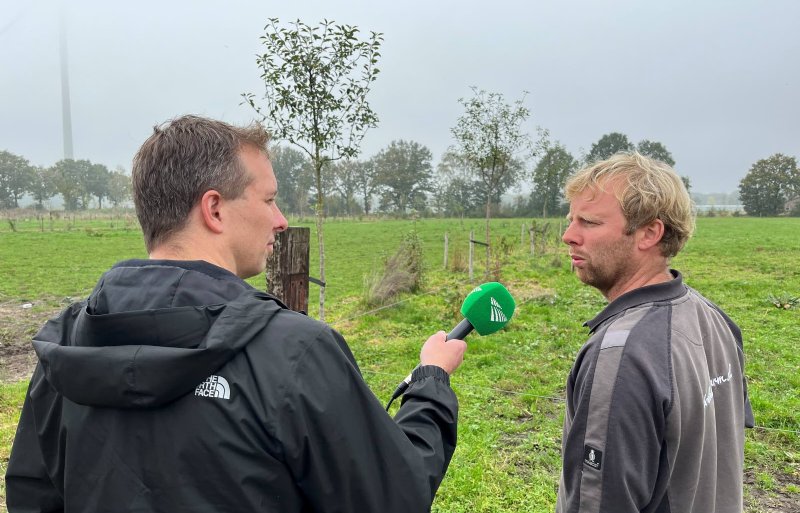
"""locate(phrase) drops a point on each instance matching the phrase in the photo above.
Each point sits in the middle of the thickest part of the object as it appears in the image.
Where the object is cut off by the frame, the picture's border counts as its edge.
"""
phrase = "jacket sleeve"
(28, 486)
(749, 418)
(612, 451)
(346, 453)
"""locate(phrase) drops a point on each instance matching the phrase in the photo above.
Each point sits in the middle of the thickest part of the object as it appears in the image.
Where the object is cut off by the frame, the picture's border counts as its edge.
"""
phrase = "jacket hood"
(148, 357)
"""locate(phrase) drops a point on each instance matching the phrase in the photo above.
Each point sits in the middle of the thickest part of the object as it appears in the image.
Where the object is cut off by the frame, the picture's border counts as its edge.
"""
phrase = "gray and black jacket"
(656, 408)
(176, 387)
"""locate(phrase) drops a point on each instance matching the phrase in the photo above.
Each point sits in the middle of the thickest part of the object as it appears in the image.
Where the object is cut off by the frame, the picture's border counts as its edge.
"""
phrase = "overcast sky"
(717, 82)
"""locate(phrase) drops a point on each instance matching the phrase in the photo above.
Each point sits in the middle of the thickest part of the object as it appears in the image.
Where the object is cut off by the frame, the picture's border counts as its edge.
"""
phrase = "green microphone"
(486, 309)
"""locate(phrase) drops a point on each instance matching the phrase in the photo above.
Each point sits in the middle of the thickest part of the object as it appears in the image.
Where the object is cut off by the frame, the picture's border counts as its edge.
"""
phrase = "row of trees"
(398, 180)
(772, 187)
(316, 82)
(401, 179)
(77, 181)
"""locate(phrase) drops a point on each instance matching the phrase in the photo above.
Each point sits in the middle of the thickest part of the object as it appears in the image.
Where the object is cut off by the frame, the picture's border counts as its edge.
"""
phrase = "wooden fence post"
(471, 252)
(445, 249)
(545, 232)
(287, 268)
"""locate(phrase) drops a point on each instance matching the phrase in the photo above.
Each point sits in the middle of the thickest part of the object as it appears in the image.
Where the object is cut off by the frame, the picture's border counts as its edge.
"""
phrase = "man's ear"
(650, 234)
(211, 210)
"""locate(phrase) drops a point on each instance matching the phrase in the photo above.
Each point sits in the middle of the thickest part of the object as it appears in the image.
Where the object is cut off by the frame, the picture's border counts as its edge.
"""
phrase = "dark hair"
(179, 162)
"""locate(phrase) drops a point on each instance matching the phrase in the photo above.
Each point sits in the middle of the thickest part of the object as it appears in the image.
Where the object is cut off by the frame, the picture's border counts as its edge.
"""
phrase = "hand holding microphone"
(443, 352)
(486, 309)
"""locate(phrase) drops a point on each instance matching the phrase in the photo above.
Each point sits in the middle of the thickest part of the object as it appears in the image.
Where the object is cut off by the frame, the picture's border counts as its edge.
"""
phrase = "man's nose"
(569, 236)
(281, 223)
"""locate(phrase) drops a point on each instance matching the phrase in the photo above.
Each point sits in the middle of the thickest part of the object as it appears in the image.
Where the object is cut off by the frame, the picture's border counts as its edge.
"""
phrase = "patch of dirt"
(525, 291)
(776, 500)
(18, 325)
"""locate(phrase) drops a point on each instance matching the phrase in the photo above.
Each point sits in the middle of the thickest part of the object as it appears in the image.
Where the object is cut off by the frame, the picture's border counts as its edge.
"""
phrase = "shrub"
(459, 260)
(402, 272)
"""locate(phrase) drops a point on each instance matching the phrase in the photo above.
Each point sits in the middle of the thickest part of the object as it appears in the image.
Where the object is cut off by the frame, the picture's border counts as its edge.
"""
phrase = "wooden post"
(445, 249)
(471, 252)
(533, 239)
(287, 268)
(522, 235)
(545, 232)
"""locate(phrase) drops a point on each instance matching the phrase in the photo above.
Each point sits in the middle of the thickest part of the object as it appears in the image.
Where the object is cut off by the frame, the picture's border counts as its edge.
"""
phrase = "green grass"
(11, 399)
(511, 384)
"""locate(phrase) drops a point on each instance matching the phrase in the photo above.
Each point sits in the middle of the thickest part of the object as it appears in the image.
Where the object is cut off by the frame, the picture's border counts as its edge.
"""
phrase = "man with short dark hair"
(178, 387)
(657, 399)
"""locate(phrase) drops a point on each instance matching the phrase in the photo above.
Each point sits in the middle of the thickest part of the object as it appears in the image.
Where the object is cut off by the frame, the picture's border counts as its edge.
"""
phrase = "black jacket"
(177, 387)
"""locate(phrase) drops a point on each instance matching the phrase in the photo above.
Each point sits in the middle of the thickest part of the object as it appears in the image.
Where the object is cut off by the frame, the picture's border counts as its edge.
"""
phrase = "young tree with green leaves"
(316, 81)
(489, 138)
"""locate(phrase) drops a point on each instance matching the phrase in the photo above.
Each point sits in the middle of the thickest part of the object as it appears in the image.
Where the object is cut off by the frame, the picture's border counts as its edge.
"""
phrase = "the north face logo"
(214, 386)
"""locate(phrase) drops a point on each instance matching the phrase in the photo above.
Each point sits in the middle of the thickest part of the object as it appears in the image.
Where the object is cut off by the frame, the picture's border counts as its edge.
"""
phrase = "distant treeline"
(400, 180)
(80, 183)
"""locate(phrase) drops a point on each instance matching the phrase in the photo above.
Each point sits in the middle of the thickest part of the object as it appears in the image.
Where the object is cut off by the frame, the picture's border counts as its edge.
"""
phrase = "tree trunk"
(488, 247)
(320, 243)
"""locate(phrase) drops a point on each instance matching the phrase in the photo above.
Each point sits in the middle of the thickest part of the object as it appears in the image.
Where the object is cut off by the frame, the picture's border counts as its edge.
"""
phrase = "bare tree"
(490, 137)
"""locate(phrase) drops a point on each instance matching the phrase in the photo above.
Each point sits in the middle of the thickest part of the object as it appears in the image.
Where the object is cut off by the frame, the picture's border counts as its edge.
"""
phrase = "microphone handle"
(461, 330)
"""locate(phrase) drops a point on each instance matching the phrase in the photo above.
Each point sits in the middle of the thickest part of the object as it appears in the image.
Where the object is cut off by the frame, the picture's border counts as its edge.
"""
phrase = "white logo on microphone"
(497, 314)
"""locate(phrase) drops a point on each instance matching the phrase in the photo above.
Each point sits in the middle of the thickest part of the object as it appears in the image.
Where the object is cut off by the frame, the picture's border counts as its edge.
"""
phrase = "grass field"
(511, 385)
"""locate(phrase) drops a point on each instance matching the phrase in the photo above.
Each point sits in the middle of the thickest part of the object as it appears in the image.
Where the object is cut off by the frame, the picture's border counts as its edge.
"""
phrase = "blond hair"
(650, 190)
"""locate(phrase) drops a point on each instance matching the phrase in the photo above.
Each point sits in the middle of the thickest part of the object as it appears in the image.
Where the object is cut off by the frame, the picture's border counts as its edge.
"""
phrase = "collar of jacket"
(665, 291)
(201, 266)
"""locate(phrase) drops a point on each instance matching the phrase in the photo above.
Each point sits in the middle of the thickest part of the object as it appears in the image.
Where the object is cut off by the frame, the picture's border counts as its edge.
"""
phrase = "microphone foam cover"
(488, 307)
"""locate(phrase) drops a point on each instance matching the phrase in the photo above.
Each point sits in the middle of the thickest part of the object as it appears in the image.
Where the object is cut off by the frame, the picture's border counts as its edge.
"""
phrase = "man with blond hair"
(178, 387)
(657, 399)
